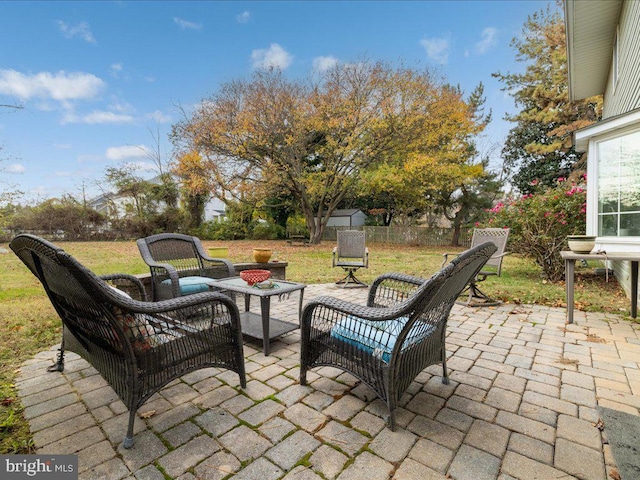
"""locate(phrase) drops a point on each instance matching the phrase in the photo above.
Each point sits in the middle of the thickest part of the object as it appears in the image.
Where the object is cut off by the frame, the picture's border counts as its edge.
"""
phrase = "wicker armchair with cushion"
(137, 346)
(399, 333)
(179, 265)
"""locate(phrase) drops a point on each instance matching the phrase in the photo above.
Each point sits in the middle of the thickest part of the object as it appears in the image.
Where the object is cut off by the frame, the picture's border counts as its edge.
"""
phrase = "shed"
(348, 217)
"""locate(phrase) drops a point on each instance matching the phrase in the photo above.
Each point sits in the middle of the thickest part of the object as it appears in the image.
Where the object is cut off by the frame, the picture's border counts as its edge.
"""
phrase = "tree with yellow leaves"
(314, 140)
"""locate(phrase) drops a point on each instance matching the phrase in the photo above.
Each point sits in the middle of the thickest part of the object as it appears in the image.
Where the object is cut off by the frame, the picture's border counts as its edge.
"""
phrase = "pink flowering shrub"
(540, 223)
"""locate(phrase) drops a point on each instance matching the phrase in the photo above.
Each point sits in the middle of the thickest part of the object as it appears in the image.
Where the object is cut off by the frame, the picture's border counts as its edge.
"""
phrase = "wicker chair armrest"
(398, 277)
(446, 258)
(230, 268)
(320, 306)
(130, 284)
(392, 288)
(169, 269)
(175, 304)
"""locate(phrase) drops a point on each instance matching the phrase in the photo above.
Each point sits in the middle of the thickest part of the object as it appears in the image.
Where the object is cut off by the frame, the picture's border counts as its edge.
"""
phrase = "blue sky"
(98, 80)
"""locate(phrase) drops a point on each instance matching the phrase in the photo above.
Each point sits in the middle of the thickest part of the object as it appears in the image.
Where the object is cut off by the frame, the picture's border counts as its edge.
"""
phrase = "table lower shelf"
(252, 326)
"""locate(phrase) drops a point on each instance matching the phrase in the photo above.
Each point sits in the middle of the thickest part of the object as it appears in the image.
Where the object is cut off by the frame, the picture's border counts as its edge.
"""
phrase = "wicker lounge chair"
(137, 346)
(179, 265)
(399, 333)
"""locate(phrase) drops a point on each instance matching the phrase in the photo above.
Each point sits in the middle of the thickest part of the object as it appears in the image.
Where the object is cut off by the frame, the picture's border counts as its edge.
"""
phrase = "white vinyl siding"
(623, 95)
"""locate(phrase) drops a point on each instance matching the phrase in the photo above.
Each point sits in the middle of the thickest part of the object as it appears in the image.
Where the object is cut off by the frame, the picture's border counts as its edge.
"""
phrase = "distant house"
(349, 217)
(214, 210)
(603, 47)
(111, 203)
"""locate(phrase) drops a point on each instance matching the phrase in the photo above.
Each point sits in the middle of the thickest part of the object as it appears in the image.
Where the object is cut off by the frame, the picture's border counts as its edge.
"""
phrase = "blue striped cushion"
(190, 285)
(377, 338)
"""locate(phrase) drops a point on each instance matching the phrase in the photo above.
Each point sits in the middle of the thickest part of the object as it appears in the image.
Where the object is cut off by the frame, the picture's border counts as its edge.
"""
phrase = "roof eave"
(591, 30)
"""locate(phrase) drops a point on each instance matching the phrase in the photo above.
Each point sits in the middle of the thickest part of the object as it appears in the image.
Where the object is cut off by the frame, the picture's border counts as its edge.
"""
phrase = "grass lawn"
(28, 323)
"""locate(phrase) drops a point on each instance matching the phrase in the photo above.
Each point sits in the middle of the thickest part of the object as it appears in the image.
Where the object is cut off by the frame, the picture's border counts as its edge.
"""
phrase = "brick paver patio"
(522, 404)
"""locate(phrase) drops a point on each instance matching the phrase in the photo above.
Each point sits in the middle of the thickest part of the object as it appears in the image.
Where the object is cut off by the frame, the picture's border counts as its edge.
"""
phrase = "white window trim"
(587, 139)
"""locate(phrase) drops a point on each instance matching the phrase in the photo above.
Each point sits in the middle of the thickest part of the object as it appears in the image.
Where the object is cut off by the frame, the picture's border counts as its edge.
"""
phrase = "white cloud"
(488, 39)
(127, 151)
(437, 49)
(15, 168)
(60, 86)
(81, 30)
(97, 117)
(121, 106)
(322, 64)
(158, 117)
(244, 17)
(187, 25)
(274, 56)
(116, 69)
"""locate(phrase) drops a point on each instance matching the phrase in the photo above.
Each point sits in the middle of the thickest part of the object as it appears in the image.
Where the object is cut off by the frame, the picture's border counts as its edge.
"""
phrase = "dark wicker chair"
(137, 346)
(399, 333)
(179, 265)
(474, 296)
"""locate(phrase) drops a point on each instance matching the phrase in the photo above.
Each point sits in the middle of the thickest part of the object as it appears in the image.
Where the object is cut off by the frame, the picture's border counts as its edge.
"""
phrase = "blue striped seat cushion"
(375, 337)
(190, 285)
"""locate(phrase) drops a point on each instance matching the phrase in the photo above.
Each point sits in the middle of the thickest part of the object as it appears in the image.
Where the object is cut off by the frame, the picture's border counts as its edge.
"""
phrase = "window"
(618, 191)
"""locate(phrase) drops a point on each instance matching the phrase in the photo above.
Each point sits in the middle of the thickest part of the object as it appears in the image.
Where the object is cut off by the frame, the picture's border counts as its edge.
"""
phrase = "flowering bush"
(540, 223)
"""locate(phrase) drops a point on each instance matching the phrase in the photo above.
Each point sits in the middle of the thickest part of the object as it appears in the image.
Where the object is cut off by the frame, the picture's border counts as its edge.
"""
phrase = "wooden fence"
(427, 236)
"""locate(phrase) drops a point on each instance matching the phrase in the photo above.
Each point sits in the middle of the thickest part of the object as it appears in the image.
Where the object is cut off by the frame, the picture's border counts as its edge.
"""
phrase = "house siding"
(624, 95)
(620, 110)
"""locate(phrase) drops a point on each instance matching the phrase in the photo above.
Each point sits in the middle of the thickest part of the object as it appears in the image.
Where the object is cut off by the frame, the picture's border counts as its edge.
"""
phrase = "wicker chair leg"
(445, 372)
(128, 440)
(59, 365)
(392, 419)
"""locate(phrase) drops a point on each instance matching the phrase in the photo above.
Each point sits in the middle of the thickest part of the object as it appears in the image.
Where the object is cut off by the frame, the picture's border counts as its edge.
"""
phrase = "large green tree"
(271, 137)
(539, 147)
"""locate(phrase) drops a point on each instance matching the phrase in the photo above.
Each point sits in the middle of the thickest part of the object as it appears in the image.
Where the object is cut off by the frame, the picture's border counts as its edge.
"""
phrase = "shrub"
(540, 223)
(267, 231)
(223, 230)
(297, 225)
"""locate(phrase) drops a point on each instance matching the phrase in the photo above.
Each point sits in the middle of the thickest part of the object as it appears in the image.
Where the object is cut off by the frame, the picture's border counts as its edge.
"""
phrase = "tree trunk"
(455, 240)
(315, 226)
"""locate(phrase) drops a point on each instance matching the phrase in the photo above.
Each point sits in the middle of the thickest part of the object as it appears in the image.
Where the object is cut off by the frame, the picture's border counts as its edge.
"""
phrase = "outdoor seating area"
(523, 402)
(397, 381)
